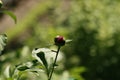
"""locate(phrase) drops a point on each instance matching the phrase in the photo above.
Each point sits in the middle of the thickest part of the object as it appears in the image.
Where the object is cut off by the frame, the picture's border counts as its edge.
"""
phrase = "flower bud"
(59, 41)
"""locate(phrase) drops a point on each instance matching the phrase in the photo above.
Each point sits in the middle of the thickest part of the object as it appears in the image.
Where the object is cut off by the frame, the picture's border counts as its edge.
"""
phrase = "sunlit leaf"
(24, 66)
(1, 3)
(3, 41)
(49, 54)
(7, 72)
(29, 66)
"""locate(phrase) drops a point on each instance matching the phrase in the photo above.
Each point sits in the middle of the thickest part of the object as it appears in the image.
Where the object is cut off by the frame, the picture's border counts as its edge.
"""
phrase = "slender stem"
(54, 63)
(47, 71)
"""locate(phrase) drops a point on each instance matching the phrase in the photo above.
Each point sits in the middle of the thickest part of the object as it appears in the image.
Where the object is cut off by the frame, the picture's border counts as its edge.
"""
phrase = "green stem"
(47, 72)
(54, 63)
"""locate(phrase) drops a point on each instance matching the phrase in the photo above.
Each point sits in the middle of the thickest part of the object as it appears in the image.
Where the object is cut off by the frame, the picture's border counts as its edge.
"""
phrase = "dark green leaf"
(41, 55)
(10, 14)
(35, 62)
(22, 68)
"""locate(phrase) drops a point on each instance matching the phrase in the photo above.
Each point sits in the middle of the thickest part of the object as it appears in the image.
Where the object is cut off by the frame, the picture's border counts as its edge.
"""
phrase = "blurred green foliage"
(93, 26)
(95, 35)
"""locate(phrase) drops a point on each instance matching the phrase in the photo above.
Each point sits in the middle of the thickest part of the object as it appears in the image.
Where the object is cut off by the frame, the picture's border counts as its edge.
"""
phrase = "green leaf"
(10, 14)
(5, 11)
(1, 3)
(22, 68)
(35, 62)
(3, 41)
(41, 55)
(7, 72)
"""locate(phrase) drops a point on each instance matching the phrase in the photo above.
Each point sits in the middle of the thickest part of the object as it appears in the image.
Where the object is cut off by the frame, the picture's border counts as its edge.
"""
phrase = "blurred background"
(93, 26)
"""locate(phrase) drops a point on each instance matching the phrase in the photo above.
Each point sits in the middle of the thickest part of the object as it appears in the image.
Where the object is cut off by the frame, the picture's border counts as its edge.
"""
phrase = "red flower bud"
(59, 41)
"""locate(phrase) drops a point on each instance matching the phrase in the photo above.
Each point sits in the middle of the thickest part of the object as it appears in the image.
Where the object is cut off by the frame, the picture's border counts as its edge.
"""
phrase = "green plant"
(44, 61)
